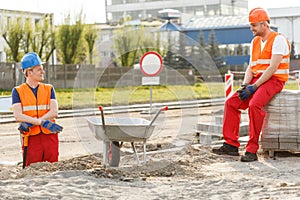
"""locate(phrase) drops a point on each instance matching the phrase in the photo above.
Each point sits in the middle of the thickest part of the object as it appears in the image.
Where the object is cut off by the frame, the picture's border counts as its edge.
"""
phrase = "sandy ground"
(177, 167)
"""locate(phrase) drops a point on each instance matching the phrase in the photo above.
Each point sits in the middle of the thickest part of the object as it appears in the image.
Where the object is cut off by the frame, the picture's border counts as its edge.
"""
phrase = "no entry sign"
(151, 63)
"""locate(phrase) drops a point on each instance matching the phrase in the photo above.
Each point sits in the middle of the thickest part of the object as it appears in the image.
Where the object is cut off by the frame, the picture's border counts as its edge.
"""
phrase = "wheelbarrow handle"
(164, 108)
(148, 128)
(156, 115)
(102, 118)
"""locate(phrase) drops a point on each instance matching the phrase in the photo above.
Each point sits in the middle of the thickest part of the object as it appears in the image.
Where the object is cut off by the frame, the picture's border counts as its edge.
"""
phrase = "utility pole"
(232, 7)
(106, 17)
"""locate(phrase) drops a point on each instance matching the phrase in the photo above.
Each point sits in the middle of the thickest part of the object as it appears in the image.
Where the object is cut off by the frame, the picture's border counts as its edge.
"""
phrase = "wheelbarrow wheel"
(114, 154)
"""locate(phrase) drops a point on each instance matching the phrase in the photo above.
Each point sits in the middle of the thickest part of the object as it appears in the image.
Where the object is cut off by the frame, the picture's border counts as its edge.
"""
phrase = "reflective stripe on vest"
(261, 59)
(40, 107)
(278, 71)
(268, 61)
(35, 106)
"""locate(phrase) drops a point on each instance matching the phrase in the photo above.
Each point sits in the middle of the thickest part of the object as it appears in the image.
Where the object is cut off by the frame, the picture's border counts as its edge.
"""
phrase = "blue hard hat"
(31, 59)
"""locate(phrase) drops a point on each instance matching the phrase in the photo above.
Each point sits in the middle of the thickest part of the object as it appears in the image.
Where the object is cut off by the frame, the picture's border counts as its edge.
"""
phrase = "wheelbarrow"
(114, 131)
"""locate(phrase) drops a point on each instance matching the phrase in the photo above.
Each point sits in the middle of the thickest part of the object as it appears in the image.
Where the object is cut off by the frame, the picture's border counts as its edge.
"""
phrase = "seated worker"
(267, 72)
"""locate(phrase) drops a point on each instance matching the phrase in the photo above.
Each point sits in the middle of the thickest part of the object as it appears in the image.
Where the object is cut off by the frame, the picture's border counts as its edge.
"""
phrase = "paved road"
(175, 127)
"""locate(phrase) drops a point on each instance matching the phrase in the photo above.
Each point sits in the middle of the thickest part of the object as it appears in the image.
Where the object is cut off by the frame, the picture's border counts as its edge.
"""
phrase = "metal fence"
(88, 76)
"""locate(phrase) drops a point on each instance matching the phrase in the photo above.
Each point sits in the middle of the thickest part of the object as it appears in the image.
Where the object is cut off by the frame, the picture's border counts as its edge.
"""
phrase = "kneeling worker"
(35, 106)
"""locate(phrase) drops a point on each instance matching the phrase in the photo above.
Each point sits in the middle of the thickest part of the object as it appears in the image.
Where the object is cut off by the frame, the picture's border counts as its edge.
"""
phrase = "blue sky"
(94, 10)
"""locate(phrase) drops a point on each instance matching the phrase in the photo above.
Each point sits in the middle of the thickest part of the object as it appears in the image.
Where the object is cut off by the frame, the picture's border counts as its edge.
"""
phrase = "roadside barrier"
(228, 84)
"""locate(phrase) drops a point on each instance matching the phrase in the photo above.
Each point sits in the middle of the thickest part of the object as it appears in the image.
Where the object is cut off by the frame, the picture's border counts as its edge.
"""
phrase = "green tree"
(177, 54)
(22, 37)
(13, 35)
(213, 49)
(43, 40)
(126, 44)
(150, 41)
(293, 52)
(201, 39)
(199, 55)
(27, 37)
(69, 41)
(90, 38)
(131, 42)
(181, 52)
(170, 58)
(239, 50)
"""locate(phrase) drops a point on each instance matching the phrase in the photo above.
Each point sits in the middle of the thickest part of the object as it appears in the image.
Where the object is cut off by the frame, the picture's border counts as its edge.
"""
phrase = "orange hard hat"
(258, 15)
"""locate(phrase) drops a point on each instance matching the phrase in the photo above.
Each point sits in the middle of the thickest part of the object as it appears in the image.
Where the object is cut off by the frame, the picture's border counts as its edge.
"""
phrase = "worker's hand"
(243, 87)
(24, 126)
(247, 92)
(53, 127)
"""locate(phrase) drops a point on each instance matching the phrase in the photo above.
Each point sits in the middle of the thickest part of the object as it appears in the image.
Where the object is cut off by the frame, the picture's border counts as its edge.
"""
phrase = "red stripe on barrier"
(228, 84)
(227, 77)
(228, 91)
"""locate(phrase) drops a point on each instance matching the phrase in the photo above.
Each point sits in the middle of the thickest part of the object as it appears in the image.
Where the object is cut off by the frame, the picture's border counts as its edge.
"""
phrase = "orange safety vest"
(35, 107)
(261, 59)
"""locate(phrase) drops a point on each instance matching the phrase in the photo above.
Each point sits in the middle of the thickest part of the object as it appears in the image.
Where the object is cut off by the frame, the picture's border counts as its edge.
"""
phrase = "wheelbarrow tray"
(121, 129)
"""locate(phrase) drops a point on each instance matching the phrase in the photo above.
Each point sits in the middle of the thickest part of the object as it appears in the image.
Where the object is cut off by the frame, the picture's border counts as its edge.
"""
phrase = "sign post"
(151, 66)
(298, 80)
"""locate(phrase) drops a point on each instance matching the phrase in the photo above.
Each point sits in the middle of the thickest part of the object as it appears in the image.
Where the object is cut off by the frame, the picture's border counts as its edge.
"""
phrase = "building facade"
(234, 50)
(9, 16)
(288, 22)
(148, 9)
(227, 18)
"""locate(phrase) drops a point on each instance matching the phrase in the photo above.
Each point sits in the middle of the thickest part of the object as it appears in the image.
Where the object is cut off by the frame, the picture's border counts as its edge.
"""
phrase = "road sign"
(151, 63)
(150, 80)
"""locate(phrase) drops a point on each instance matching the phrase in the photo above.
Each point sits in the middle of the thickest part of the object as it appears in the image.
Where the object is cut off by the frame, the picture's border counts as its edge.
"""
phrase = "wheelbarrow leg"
(144, 149)
(106, 144)
(111, 153)
(136, 156)
(114, 156)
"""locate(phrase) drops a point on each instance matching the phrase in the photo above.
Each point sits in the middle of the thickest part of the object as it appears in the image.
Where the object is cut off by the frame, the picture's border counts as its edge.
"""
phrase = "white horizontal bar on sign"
(150, 80)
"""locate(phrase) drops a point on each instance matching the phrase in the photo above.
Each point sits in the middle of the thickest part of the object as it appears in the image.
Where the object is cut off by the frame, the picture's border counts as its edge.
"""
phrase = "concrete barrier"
(5, 104)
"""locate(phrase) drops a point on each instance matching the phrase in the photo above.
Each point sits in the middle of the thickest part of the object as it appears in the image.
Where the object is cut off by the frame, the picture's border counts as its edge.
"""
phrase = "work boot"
(226, 149)
(249, 157)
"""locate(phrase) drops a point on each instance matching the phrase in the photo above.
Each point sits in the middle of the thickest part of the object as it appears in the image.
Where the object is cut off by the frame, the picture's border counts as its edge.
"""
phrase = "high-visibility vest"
(35, 106)
(261, 59)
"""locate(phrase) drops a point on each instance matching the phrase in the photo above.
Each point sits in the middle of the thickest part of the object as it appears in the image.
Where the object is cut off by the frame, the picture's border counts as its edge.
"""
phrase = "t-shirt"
(280, 46)
(16, 97)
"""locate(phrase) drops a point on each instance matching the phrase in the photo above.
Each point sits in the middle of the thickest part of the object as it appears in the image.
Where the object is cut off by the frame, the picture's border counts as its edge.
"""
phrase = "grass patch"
(93, 97)
(140, 94)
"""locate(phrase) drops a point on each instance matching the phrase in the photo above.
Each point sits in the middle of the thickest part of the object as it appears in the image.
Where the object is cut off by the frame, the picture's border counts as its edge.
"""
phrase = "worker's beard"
(41, 79)
(256, 33)
(259, 32)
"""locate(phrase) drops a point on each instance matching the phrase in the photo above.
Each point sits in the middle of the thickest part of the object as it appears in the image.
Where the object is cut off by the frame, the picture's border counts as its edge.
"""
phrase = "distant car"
(136, 66)
(294, 75)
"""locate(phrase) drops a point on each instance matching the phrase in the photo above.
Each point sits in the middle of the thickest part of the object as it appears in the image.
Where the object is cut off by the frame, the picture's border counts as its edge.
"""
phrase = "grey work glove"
(53, 127)
(246, 91)
(242, 87)
(24, 126)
